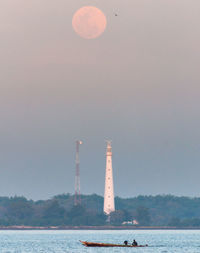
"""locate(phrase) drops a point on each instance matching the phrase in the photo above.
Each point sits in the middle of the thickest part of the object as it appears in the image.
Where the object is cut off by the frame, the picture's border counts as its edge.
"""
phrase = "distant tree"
(54, 214)
(62, 196)
(127, 215)
(143, 216)
(193, 222)
(77, 215)
(53, 210)
(175, 222)
(77, 211)
(117, 217)
(97, 219)
(19, 209)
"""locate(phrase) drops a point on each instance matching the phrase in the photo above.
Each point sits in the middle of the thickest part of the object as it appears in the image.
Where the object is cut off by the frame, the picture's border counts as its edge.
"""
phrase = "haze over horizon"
(138, 85)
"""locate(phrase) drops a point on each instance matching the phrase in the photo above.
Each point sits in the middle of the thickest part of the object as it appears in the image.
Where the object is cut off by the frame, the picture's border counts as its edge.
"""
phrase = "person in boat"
(125, 242)
(134, 243)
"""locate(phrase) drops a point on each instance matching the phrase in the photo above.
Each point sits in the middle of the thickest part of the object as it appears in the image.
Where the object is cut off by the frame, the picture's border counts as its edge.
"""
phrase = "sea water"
(159, 241)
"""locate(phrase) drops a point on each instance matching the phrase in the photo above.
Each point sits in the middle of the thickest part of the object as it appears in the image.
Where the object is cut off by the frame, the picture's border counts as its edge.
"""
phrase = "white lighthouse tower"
(109, 204)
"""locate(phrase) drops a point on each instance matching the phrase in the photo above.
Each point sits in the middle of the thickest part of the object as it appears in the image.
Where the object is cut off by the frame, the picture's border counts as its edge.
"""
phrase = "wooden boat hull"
(96, 244)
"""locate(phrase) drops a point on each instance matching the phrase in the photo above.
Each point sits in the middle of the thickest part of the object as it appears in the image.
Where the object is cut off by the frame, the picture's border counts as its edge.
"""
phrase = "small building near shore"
(132, 222)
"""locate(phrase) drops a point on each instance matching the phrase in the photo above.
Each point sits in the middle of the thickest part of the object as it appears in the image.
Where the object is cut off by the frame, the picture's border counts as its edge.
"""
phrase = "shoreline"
(95, 228)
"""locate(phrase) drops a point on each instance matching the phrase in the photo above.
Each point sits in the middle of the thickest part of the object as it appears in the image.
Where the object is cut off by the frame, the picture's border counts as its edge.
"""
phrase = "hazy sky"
(138, 84)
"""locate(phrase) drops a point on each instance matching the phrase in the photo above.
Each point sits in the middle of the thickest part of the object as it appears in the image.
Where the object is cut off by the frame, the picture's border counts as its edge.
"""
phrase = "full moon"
(89, 22)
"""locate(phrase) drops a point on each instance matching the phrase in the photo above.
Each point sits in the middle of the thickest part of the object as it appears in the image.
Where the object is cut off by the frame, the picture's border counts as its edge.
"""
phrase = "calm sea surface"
(68, 241)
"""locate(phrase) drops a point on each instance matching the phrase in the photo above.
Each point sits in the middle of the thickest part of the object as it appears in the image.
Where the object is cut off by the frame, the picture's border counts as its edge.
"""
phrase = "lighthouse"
(109, 203)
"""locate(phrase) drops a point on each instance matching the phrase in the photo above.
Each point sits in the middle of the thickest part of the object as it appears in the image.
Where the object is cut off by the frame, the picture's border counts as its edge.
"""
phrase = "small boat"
(96, 244)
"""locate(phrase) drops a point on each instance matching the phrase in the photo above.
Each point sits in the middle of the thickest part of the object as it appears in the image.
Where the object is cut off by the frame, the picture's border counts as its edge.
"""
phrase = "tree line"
(161, 210)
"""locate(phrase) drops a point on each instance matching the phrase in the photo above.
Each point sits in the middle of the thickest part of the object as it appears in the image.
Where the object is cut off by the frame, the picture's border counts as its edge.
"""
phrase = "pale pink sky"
(137, 84)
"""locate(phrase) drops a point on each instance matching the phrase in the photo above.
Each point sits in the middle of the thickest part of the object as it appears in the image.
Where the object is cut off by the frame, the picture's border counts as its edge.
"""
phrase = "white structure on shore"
(109, 204)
